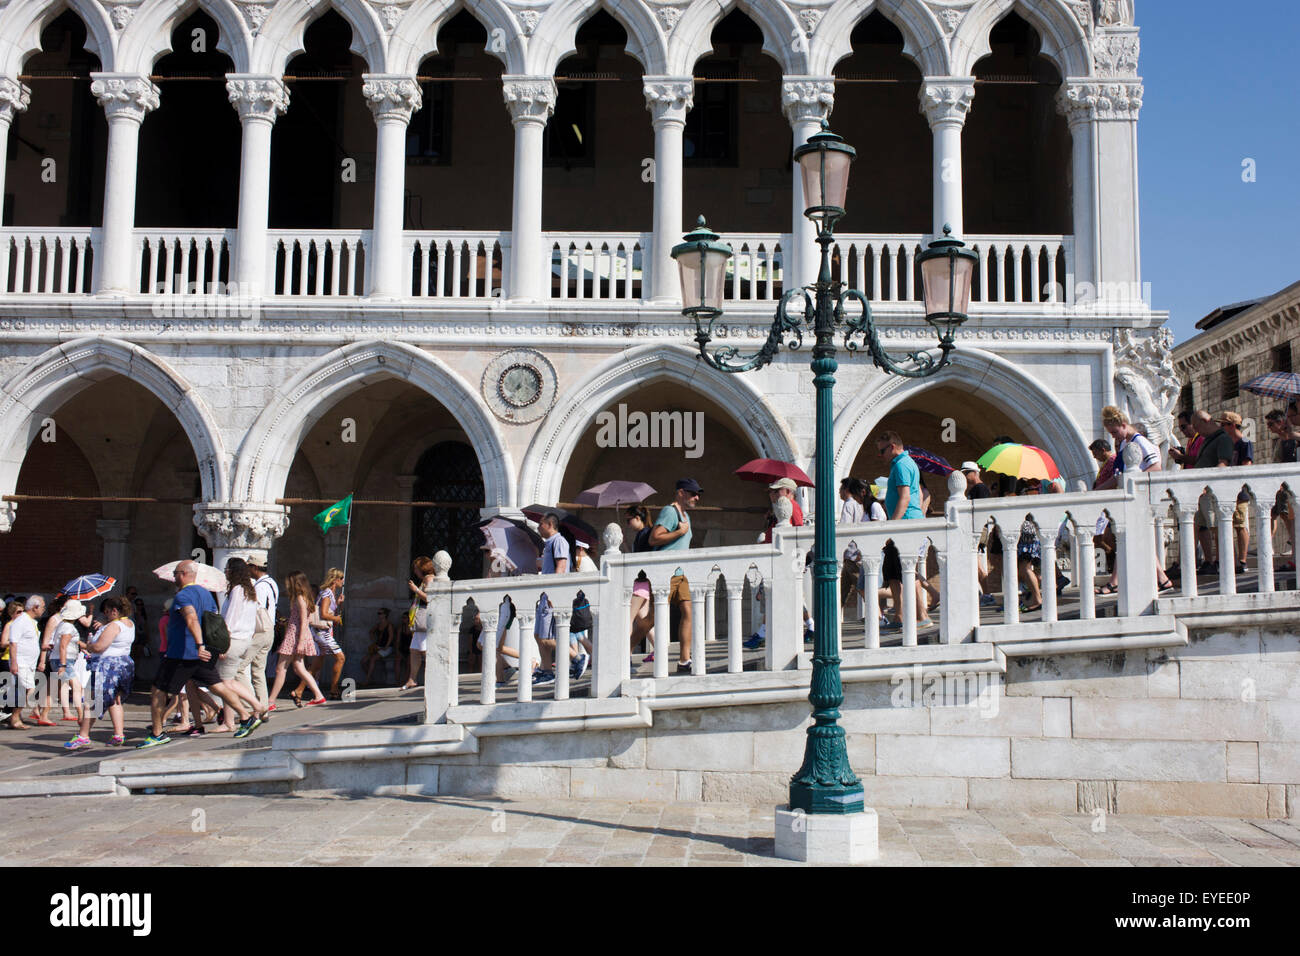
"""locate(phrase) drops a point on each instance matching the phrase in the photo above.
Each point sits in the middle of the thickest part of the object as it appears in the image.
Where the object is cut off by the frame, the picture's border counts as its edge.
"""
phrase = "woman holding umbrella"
(111, 671)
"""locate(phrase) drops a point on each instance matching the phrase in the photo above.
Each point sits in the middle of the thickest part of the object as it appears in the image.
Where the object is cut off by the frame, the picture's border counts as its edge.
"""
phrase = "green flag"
(335, 515)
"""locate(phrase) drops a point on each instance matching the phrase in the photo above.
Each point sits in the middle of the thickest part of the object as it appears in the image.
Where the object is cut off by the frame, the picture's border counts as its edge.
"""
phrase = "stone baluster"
(908, 612)
(1087, 572)
(1224, 508)
(946, 101)
(1187, 547)
(871, 598)
(1047, 546)
(126, 98)
(1010, 575)
(561, 617)
(711, 612)
(258, 100)
(699, 650)
(663, 633)
(669, 99)
(530, 100)
(487, 680)
(393, 98)
(735, 629)
(524, 621)
(1264, 542)
(807, 101)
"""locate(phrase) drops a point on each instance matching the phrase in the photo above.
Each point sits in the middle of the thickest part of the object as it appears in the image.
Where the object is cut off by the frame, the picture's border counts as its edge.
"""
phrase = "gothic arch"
(1065, 41)
(923, 38)
(281, 37)
(554, 38)
(55, 376)
(22, 22)
(266, 453)
(1039, 412)
(149, 34)
(553, 443)
(416, 34)
(775, 20)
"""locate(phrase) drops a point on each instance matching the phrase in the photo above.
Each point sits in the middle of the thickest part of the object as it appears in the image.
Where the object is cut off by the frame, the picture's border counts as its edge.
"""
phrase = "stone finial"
(783, 508)
(441, 565)
(956, 485)
(611, 539)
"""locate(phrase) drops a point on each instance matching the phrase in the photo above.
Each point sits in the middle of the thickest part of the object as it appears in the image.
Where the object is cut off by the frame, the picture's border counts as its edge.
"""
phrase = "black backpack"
(581, 619)
(216, 636)
(642, 540)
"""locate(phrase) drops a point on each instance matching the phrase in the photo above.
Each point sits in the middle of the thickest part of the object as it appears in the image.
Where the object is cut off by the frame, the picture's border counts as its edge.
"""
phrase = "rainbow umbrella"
(1020, 461)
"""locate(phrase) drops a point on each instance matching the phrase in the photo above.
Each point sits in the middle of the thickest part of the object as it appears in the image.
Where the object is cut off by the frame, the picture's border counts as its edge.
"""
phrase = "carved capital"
(391, 96)
(1088, 100)
(808, 98)
(529, 98)
(240, 526)
(669, 98)
(14, 98)
(257, 97)
(113, 530)
(947, 100)
(129, 95)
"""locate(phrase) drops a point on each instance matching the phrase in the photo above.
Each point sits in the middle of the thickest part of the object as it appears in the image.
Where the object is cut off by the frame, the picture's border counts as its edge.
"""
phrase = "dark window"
(449, 474)
(1186, 399)
(1282, 358)
(1230, 381)
(428, 138)
(710, 134)
(569, 132)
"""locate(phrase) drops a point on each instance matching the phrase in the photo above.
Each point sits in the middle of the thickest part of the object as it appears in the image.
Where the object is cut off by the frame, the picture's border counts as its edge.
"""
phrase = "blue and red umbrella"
(88, 586)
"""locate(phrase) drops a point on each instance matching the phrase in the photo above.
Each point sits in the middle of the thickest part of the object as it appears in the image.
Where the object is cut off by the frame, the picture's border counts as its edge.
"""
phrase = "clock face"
(520, 385)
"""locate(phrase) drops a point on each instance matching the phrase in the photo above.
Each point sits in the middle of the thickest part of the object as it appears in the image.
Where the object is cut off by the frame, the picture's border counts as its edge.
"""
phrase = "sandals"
(296, 698)
(1105, 589)
(1167, 586)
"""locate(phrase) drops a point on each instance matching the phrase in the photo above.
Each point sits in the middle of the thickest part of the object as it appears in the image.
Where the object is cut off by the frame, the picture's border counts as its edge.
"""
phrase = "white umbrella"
(209, 578)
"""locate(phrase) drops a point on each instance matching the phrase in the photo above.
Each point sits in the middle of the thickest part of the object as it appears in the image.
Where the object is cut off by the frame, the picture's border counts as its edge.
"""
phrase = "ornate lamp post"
(825, 784)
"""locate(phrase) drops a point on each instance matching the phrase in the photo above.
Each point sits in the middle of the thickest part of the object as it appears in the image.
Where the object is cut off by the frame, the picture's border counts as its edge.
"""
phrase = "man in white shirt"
(1119, 428)
(26, 658)
(268, 599)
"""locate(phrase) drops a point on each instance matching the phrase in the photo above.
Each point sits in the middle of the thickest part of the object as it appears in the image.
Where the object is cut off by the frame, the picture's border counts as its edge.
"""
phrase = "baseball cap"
(689, 484)
(1229, 418)
(969, 466)
(783, 483)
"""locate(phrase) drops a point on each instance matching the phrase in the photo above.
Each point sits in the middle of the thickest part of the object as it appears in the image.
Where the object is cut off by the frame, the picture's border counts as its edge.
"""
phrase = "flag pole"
(347, 544)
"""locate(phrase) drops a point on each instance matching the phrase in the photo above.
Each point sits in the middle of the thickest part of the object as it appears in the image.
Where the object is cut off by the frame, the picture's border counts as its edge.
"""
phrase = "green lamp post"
(825, 783)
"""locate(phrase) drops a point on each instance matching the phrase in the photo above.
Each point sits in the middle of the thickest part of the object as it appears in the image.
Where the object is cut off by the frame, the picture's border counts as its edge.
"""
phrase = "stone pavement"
(323, 829)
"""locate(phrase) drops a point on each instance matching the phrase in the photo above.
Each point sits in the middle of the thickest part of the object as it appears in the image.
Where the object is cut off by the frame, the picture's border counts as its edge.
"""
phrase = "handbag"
(420, 621)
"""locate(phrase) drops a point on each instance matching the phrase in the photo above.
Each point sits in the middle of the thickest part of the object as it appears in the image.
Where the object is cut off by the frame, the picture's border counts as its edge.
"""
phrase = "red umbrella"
(768, 470)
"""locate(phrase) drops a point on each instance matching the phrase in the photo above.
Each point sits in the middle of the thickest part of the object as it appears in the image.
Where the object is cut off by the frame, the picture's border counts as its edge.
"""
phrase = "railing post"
(560, 616)
(711, 612)
(1187, 547)
(441, 677)
(699, 648)
(487, 680)
(1087, 572)
(1264, 543)
(1227, 551)
(735, 628)
(784, 591)
(908, 613)
(1137, 554)
(524, 621)
(663, 633)
(1010, 574)
(959, 567)
(611, 653)
(871, 565)
(1047, 545)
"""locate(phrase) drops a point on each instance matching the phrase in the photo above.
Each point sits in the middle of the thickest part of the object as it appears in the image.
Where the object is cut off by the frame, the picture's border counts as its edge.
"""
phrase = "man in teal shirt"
(902, 502)
(672, 532)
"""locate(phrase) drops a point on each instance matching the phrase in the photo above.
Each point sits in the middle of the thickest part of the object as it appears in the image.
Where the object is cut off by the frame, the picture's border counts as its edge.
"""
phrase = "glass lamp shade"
(824, 163)
(702, 265)
(947, 269)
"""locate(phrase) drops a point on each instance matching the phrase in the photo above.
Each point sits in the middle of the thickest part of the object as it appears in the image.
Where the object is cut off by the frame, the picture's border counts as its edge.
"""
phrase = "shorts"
(892, 567)
(27, 677)
(175, 673)
(110, 678)
(679, 590)
(642, 588)
(1241, 515)
(419, 640)
(235, 659)
(1205, 513)
(325, 643)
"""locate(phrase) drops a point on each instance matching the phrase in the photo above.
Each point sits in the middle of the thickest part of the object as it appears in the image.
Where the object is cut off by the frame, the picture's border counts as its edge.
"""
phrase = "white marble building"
(452, 299)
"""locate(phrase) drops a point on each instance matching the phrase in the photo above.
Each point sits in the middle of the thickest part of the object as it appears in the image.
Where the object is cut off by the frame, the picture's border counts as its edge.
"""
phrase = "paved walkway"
(387, 831)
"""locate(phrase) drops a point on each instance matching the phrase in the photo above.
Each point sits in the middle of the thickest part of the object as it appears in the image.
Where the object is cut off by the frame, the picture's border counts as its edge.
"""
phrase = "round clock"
(519, 385)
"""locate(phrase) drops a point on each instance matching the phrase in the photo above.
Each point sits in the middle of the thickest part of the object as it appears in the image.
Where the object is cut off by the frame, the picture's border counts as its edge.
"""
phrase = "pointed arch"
(281, 36)
(923, 38)
(1065, 41)
(416, 34)
(60, 373)
(149, 34)
(267, 451)
(558, 27)
(553, 443)
(23, 21)
(1032, 405)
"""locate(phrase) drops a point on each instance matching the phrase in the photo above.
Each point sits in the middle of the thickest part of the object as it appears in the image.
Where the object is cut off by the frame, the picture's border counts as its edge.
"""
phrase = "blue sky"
(1220, 85)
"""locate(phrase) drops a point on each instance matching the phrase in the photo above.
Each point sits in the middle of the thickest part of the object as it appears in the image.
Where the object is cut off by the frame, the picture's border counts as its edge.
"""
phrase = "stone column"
(669, 99)
(530, 100)
(1075, 102)
(1047, 545)
(14, 98)
(258, 100)
(115, 532)
(908, 595)
(945, 101)
(1227, 549)
(699, 648)
(872, 565)
(405, 491)
(807, 101)
(562, 616)
(392, 98)
(524, 621)
(1187, 547)
(663, 633)
(487, 681)
(240, 529)
(1264, 542)
(735, 631)
(126, 98)
(1010, 575)
(1087, 573)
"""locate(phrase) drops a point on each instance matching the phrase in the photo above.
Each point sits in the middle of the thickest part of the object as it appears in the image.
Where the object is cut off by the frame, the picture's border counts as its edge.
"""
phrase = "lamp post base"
(827, 838)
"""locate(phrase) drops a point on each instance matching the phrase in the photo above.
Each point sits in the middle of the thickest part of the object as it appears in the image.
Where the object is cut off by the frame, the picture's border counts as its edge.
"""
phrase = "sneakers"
(887, 625)
(248, 726)
(987, 600)
(578, 667)
(754, 642)
(314, 703)
(77, 743)
(684, 668)
(508, 675)
(152, 741)
(542, 677)
(117, 740)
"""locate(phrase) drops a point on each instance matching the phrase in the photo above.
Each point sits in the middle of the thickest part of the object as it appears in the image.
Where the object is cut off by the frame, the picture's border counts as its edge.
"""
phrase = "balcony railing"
(1062, 526)
(466, 265)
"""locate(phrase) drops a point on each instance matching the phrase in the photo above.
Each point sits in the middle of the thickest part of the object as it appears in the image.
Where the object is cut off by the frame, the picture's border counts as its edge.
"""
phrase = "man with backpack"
(189, 661)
